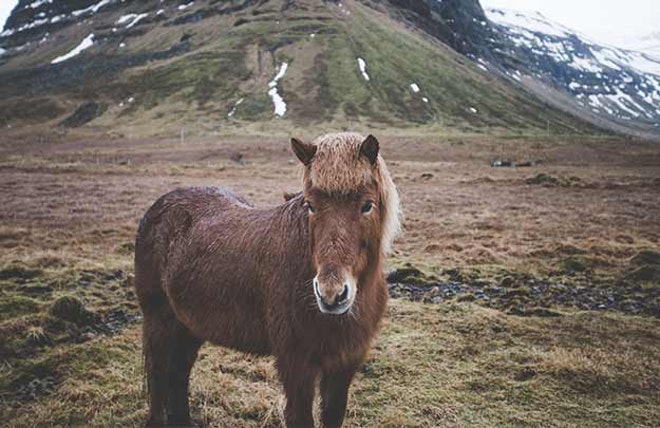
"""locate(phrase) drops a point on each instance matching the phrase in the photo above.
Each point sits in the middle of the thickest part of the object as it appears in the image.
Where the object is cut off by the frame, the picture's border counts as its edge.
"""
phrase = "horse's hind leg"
(183, 354)
(157, 342)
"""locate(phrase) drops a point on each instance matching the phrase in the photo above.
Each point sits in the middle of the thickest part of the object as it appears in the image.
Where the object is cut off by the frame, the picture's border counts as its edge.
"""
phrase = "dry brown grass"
(74, 205)
(459, 211)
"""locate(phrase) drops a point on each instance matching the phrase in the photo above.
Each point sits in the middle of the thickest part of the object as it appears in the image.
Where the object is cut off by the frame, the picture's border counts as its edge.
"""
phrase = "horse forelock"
(338, 168)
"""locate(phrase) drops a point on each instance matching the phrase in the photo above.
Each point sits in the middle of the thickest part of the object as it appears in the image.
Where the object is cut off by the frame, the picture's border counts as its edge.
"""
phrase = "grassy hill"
(189, 68)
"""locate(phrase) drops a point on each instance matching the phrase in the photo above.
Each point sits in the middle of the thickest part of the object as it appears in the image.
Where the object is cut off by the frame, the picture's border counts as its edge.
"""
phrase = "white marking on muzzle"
(343, 306)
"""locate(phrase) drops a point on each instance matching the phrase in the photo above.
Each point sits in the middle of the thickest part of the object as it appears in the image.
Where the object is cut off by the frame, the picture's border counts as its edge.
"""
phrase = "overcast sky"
(607, 21)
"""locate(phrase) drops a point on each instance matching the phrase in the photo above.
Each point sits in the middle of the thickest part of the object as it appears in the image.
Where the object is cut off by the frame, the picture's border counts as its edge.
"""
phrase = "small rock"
(467, 298)
(406, 275)
(454, 275)
(525, 375)
(70, 309)
(238, 158)
(498, 328)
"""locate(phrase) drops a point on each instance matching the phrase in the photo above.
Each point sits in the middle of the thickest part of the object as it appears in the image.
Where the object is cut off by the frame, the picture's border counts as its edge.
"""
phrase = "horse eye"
(310, 208)
(367, 207)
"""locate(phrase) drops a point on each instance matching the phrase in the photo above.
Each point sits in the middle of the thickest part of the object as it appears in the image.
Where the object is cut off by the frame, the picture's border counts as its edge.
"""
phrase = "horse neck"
(290, 231)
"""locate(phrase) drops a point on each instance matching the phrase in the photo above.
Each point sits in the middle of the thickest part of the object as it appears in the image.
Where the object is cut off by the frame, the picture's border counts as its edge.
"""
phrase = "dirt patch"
(550, 181)
(523, 295)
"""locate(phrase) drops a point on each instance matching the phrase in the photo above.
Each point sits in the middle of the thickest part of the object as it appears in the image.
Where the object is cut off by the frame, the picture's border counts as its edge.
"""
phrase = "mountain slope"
(214, 63)
(618, 85)
(612, 88)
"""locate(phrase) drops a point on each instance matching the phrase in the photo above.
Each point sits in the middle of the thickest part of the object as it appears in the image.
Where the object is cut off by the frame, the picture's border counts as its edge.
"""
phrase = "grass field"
(585, 218)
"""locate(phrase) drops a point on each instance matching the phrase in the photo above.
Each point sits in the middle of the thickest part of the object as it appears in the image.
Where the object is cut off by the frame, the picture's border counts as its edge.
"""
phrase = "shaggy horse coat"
(302, 281)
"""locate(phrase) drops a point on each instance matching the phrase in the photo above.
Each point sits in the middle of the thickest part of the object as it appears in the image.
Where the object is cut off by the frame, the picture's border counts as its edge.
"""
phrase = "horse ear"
(304, 151)
(369, 149)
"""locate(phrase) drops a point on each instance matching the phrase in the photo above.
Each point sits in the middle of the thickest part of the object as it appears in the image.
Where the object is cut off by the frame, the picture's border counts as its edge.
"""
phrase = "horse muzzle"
(335, 299)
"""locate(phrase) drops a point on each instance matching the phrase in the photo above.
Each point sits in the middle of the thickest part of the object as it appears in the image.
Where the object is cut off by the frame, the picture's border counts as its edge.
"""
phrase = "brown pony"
(302, 281)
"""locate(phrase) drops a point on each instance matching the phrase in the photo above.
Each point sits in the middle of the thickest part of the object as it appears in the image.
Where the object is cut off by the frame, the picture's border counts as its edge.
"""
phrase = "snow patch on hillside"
(37, 3)
(93, 8)
(86, 43)
(278, 101)
(648, 44)
(585, 64)
(233, 110)
(530, 21)
(362, 65)
(29, 25)
(41, 21)
(132, 19)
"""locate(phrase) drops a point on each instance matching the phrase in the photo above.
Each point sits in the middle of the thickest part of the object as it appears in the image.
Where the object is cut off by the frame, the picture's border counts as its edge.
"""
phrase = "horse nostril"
(344, 295)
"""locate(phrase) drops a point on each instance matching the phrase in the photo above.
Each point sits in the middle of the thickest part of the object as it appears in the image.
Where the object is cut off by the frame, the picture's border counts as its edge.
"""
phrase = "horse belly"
(227, 314)
(242, 332)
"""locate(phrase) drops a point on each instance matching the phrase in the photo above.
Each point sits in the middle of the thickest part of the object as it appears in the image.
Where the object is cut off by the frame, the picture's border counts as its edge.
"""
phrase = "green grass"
(433, 365)
(452, 84)
(196, 79)
(12, 306)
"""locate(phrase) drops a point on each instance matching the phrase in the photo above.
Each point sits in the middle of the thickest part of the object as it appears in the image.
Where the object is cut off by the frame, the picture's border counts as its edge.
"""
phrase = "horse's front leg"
(298, 378)
(334, 395)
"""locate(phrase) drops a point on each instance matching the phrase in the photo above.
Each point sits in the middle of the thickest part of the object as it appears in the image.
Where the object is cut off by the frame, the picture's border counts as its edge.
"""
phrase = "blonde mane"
(338, 168)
